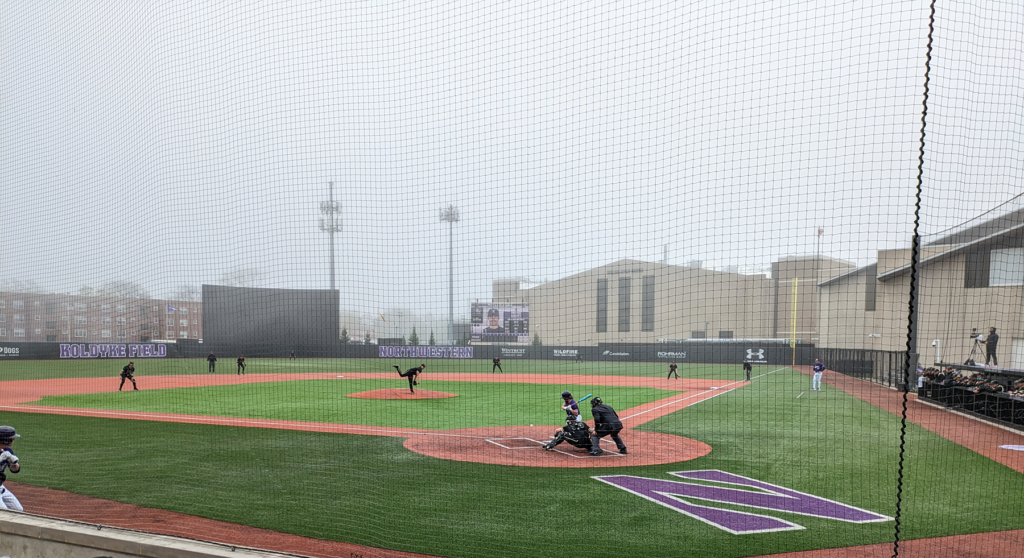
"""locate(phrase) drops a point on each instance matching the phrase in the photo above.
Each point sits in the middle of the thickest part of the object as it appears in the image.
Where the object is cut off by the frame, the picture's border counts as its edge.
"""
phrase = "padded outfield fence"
(278, 211)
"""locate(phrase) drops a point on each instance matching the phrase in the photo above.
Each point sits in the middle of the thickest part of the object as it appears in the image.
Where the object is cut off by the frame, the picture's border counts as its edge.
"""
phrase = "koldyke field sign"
(112, 350)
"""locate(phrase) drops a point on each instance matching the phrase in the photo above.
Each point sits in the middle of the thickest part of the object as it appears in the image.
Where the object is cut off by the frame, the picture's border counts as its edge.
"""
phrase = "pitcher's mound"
(392, 393)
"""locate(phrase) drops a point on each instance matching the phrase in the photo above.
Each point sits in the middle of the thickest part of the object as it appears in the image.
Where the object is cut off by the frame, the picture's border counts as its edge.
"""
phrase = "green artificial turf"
(478, 403)
(371, 490)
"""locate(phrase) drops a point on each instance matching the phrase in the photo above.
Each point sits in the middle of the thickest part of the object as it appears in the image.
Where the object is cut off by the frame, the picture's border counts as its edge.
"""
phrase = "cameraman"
(990, 347)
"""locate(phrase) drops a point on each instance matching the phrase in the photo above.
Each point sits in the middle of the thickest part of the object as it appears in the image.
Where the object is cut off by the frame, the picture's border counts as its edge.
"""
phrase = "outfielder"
(497, 364)
(819, 369)
(128, 373)
(8, 461)
(412, 374)
(213, 362)
(241, 365)
(672, 369)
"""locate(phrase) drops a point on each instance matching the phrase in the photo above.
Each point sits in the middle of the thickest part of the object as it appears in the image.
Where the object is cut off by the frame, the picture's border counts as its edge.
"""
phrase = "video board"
(498, 323)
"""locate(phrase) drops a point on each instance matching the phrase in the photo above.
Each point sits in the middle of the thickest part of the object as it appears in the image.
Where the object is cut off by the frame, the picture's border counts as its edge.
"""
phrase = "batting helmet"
(8, 435)
(595, 402)
(566, 395)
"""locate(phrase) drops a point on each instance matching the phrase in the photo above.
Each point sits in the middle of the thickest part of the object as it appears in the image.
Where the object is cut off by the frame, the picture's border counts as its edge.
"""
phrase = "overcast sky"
(167, 143)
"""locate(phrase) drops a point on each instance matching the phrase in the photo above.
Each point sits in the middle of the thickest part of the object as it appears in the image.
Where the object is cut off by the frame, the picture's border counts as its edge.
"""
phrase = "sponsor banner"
(565, 353)
(769, 497)
(615, 354)
(757, 356)
(672, 355)
(396, 351)
(513, 352)
(10, 352)
(113, 350)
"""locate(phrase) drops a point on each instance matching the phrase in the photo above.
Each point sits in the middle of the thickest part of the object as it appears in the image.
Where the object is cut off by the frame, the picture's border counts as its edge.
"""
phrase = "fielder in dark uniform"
(746, 368)
(8, 462)
(672, 369)
(213, 362)
(576, 433)
(128, 373)
(497, 364)
(241, 365)
(990, 346)
(606, 423)
(411, 374)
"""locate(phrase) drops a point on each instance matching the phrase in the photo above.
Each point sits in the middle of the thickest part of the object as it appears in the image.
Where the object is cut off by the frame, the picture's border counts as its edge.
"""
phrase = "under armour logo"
(755, 354)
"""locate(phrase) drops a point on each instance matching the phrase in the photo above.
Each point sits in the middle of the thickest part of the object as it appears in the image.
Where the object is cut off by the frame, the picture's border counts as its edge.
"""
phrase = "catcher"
(576, 433)
(128, 373)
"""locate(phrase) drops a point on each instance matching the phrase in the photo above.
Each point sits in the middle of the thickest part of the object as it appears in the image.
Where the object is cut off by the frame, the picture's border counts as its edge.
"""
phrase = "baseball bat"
(588, 396)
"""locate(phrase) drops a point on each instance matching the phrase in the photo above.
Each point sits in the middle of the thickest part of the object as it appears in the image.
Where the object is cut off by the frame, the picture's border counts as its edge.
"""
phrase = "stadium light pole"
(450, 215)
(330, 222)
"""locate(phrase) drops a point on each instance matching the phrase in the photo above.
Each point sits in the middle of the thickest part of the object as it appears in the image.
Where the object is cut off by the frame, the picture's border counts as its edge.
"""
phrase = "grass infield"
(370, 490)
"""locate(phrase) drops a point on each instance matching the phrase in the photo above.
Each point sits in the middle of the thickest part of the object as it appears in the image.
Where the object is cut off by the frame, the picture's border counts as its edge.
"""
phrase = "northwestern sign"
(112, 350)
(393, 351)
(768, 497)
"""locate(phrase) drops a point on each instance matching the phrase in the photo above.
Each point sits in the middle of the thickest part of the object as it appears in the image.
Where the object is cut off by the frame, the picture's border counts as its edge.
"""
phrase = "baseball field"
(337, 450)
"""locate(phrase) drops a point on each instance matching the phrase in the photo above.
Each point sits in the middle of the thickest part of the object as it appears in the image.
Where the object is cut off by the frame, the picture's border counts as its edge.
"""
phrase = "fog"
(178, 143)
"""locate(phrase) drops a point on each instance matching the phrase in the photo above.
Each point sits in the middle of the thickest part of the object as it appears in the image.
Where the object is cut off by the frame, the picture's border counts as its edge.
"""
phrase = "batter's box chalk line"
(533, 444)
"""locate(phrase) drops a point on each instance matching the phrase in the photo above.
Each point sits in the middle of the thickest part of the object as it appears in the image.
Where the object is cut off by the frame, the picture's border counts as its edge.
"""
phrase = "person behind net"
(128, 373)
(576, 433)
(606, 423)
(8, 462)
(747, 368)
(412, 374)
(212, 360)
(496, 365)
(241, 365)
(990, 347)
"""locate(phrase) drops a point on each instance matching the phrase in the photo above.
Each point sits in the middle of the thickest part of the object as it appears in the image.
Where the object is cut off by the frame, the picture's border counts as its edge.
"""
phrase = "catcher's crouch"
(576, 433)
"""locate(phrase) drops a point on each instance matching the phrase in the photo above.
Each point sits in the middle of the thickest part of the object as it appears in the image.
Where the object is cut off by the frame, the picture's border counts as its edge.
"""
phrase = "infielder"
(213, 362)
(819, 369)
(672, 369)
(241, 365)
(746, 368)
(128, 373)
(8, 461)
(497, 365)
(412, 374)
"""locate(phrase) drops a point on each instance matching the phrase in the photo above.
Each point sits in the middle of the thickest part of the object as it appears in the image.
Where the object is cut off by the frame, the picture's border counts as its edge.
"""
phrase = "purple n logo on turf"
(769, 496)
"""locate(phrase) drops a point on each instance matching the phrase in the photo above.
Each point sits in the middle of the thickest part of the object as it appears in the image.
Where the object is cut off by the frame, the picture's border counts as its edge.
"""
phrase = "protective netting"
(527, 199)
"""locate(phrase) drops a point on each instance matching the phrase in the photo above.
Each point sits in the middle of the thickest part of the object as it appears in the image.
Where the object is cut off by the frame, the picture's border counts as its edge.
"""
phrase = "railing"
(996, 407)
(880, 367)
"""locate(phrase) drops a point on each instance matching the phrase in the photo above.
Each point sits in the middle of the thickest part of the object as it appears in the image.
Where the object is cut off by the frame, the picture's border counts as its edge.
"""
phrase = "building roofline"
(893, 273)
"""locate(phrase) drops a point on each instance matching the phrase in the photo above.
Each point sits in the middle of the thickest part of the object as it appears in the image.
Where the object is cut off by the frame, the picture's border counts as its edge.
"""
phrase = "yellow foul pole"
(792, 338)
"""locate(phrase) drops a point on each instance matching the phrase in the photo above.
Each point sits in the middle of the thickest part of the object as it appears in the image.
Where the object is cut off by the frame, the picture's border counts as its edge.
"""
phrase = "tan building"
(631, 301)
(969, 282)
(53, 317)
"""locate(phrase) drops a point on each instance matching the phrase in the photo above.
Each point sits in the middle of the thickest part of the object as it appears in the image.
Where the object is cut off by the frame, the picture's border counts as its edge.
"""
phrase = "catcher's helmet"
(566, 395)
(7, 434)
(595, 402)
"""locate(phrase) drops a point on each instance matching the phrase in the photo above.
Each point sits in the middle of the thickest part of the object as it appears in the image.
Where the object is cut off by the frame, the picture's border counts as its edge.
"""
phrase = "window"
(19, 318)
(80, 333)
(3, 317)
(105, 308)
(183, 323)
(725, 335)
(81, 320)
(39, 331)
(19, 332)
(38, 317)
(698, 334)
(79, 306)
(19, 304)
(195, 334)
(3, 332)
(1006, 267)
(170, 321)
(183, 334)
(647, 304)
(155, 308)
(105, 333)
(144, 327)
(3, 304)
(51, 338)
(51, 309)
(870, 293)
(122, 333)
(51, 325)
(120, 307)
(65, 331)
(170, 335)
(106, 320)
(625, 291)
(184, 311)
(121, 321)
(36, 303)
(195, 322)
(602, 305)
